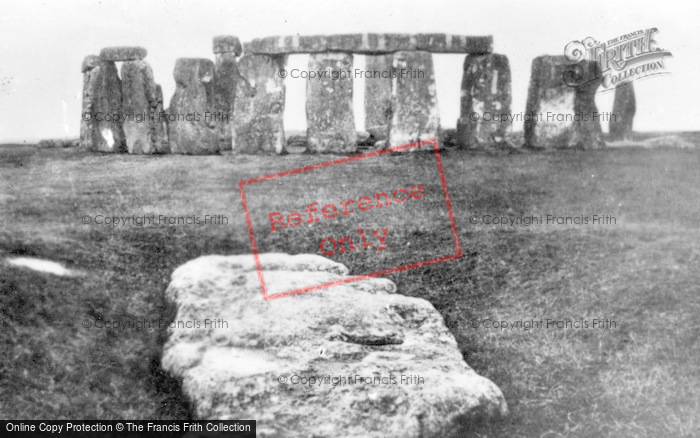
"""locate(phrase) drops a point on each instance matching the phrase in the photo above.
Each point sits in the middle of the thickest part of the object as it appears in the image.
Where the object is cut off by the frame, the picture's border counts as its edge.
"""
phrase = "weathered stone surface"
(280, 45)
(370, 43)
(330, 117)
(485, 101)
(164, 147)
(90, 62)
(414, 108)
(143, 122)
(258, 113)
(624, 108)
(561, 115)
(124, 53)
(445, 43)
(250, 366)
(225, 82)
(378, 95)
(101, 122)
(227, 44)
(191, 121)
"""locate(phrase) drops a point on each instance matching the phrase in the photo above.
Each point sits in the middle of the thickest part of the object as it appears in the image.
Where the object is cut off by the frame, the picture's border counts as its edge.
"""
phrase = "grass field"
(638, 378)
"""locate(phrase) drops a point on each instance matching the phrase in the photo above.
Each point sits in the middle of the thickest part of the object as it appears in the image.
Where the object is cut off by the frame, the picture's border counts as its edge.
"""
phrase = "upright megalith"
(330, 118)
(191, 116)
(561, 110)
(378, 83)
(101, 122)
(143, 120)
(485, 102)
(123, 53)
(226, 49)
(414, 107)
(624, 108)
(258, 113)
(160, 109)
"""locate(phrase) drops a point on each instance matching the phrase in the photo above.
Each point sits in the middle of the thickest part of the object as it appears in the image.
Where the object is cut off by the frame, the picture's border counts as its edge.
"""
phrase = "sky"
(43, 43)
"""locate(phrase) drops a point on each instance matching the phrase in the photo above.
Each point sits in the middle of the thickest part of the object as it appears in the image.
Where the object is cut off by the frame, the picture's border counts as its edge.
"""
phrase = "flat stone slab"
(370, 43)
(123, 53)
(353, 360)
(227, 44)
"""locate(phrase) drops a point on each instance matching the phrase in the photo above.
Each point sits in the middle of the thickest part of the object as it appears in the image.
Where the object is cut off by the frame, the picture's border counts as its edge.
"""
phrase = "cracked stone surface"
(353, 360)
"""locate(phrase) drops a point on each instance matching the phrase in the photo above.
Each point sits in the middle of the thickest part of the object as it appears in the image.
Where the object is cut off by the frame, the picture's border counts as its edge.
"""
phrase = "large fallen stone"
(330, 118)
(414, 108)
(124, 53)
(378, 95)
(258, 113)
(624, 108)
(370, 43)
(143, 123)
(485, 102)
(101, 120)
(191, 116)
(560, 114)
(352, 360)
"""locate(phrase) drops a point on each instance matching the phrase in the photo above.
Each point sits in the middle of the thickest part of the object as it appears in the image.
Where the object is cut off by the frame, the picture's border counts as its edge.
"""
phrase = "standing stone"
(143, 126)
(403, 375)
(101, 125)
(226, 48)
(485, 101)
(624, 108)
(415, 115)
(259, 106)
(192, 128)
(164, 147)
(561, 115)
(330, 117)
(378, 95)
